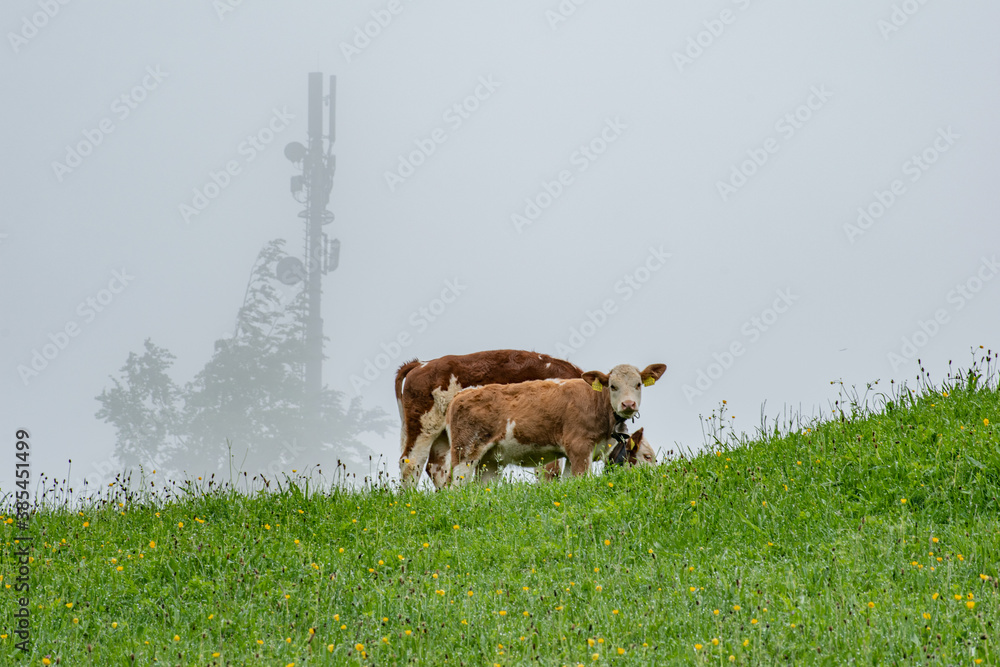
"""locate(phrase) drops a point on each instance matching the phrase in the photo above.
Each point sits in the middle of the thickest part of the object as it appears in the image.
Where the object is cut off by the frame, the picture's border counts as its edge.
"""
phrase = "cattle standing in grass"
(532, 423)
(425, 389)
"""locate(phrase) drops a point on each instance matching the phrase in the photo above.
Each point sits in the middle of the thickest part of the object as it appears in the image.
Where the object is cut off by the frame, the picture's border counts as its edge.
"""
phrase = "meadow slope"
(870, 538)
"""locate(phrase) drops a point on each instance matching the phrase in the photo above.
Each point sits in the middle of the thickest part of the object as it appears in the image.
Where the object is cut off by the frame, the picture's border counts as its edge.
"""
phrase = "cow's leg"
(405, 445)
(421, 435)
(577, 464)
(439, 461)
(552, 470)
(413, 462)
(466, 454)
(462, 473)
(489, 470)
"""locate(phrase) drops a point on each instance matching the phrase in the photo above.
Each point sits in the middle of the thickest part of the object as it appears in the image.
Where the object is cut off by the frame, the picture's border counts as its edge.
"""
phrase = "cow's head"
(625, 384)
(633, 450)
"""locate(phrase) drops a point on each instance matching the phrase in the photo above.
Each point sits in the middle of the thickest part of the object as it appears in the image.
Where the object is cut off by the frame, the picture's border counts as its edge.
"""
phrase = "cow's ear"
(596, 379)
(652, 373)
(635, 439)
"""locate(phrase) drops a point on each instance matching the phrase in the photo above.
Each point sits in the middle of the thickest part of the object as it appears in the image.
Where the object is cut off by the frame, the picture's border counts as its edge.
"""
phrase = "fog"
(767, 196)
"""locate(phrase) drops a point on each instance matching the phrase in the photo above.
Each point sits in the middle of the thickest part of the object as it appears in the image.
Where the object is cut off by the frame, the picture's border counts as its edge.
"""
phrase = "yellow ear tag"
(631, 444)
(650, 381)
(596, 385)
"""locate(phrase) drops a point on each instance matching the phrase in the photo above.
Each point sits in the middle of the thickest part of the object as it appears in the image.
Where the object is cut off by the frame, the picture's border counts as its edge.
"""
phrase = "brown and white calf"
(532, 423)
(425, 389)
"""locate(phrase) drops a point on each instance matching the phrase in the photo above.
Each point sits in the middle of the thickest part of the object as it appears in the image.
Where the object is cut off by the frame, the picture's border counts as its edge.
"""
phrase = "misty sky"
(796, 192)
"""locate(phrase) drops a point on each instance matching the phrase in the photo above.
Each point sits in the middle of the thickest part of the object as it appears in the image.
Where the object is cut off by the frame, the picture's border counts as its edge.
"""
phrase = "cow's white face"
(646, 456)
(625, 383)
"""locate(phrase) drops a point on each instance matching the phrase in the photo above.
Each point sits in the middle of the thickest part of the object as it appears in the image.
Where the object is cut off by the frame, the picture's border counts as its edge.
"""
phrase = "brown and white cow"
(532, 423)
(425, 389)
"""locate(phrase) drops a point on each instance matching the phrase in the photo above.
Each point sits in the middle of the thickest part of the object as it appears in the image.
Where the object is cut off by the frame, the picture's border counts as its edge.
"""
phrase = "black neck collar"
(619, 420)
(619, 455)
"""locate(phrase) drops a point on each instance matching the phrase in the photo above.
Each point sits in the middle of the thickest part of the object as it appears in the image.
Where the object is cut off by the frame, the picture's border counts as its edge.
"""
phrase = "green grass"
(793, 548)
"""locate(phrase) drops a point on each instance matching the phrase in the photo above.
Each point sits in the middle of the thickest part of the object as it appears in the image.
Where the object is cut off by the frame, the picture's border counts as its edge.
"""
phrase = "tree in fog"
(145, 406)
(249, 400)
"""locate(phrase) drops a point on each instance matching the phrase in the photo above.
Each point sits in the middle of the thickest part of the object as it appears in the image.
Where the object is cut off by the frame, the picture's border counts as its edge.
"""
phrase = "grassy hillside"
(867, 539)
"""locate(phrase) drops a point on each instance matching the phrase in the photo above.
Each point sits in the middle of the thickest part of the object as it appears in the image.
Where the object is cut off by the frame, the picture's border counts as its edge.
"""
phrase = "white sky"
(881, 94)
